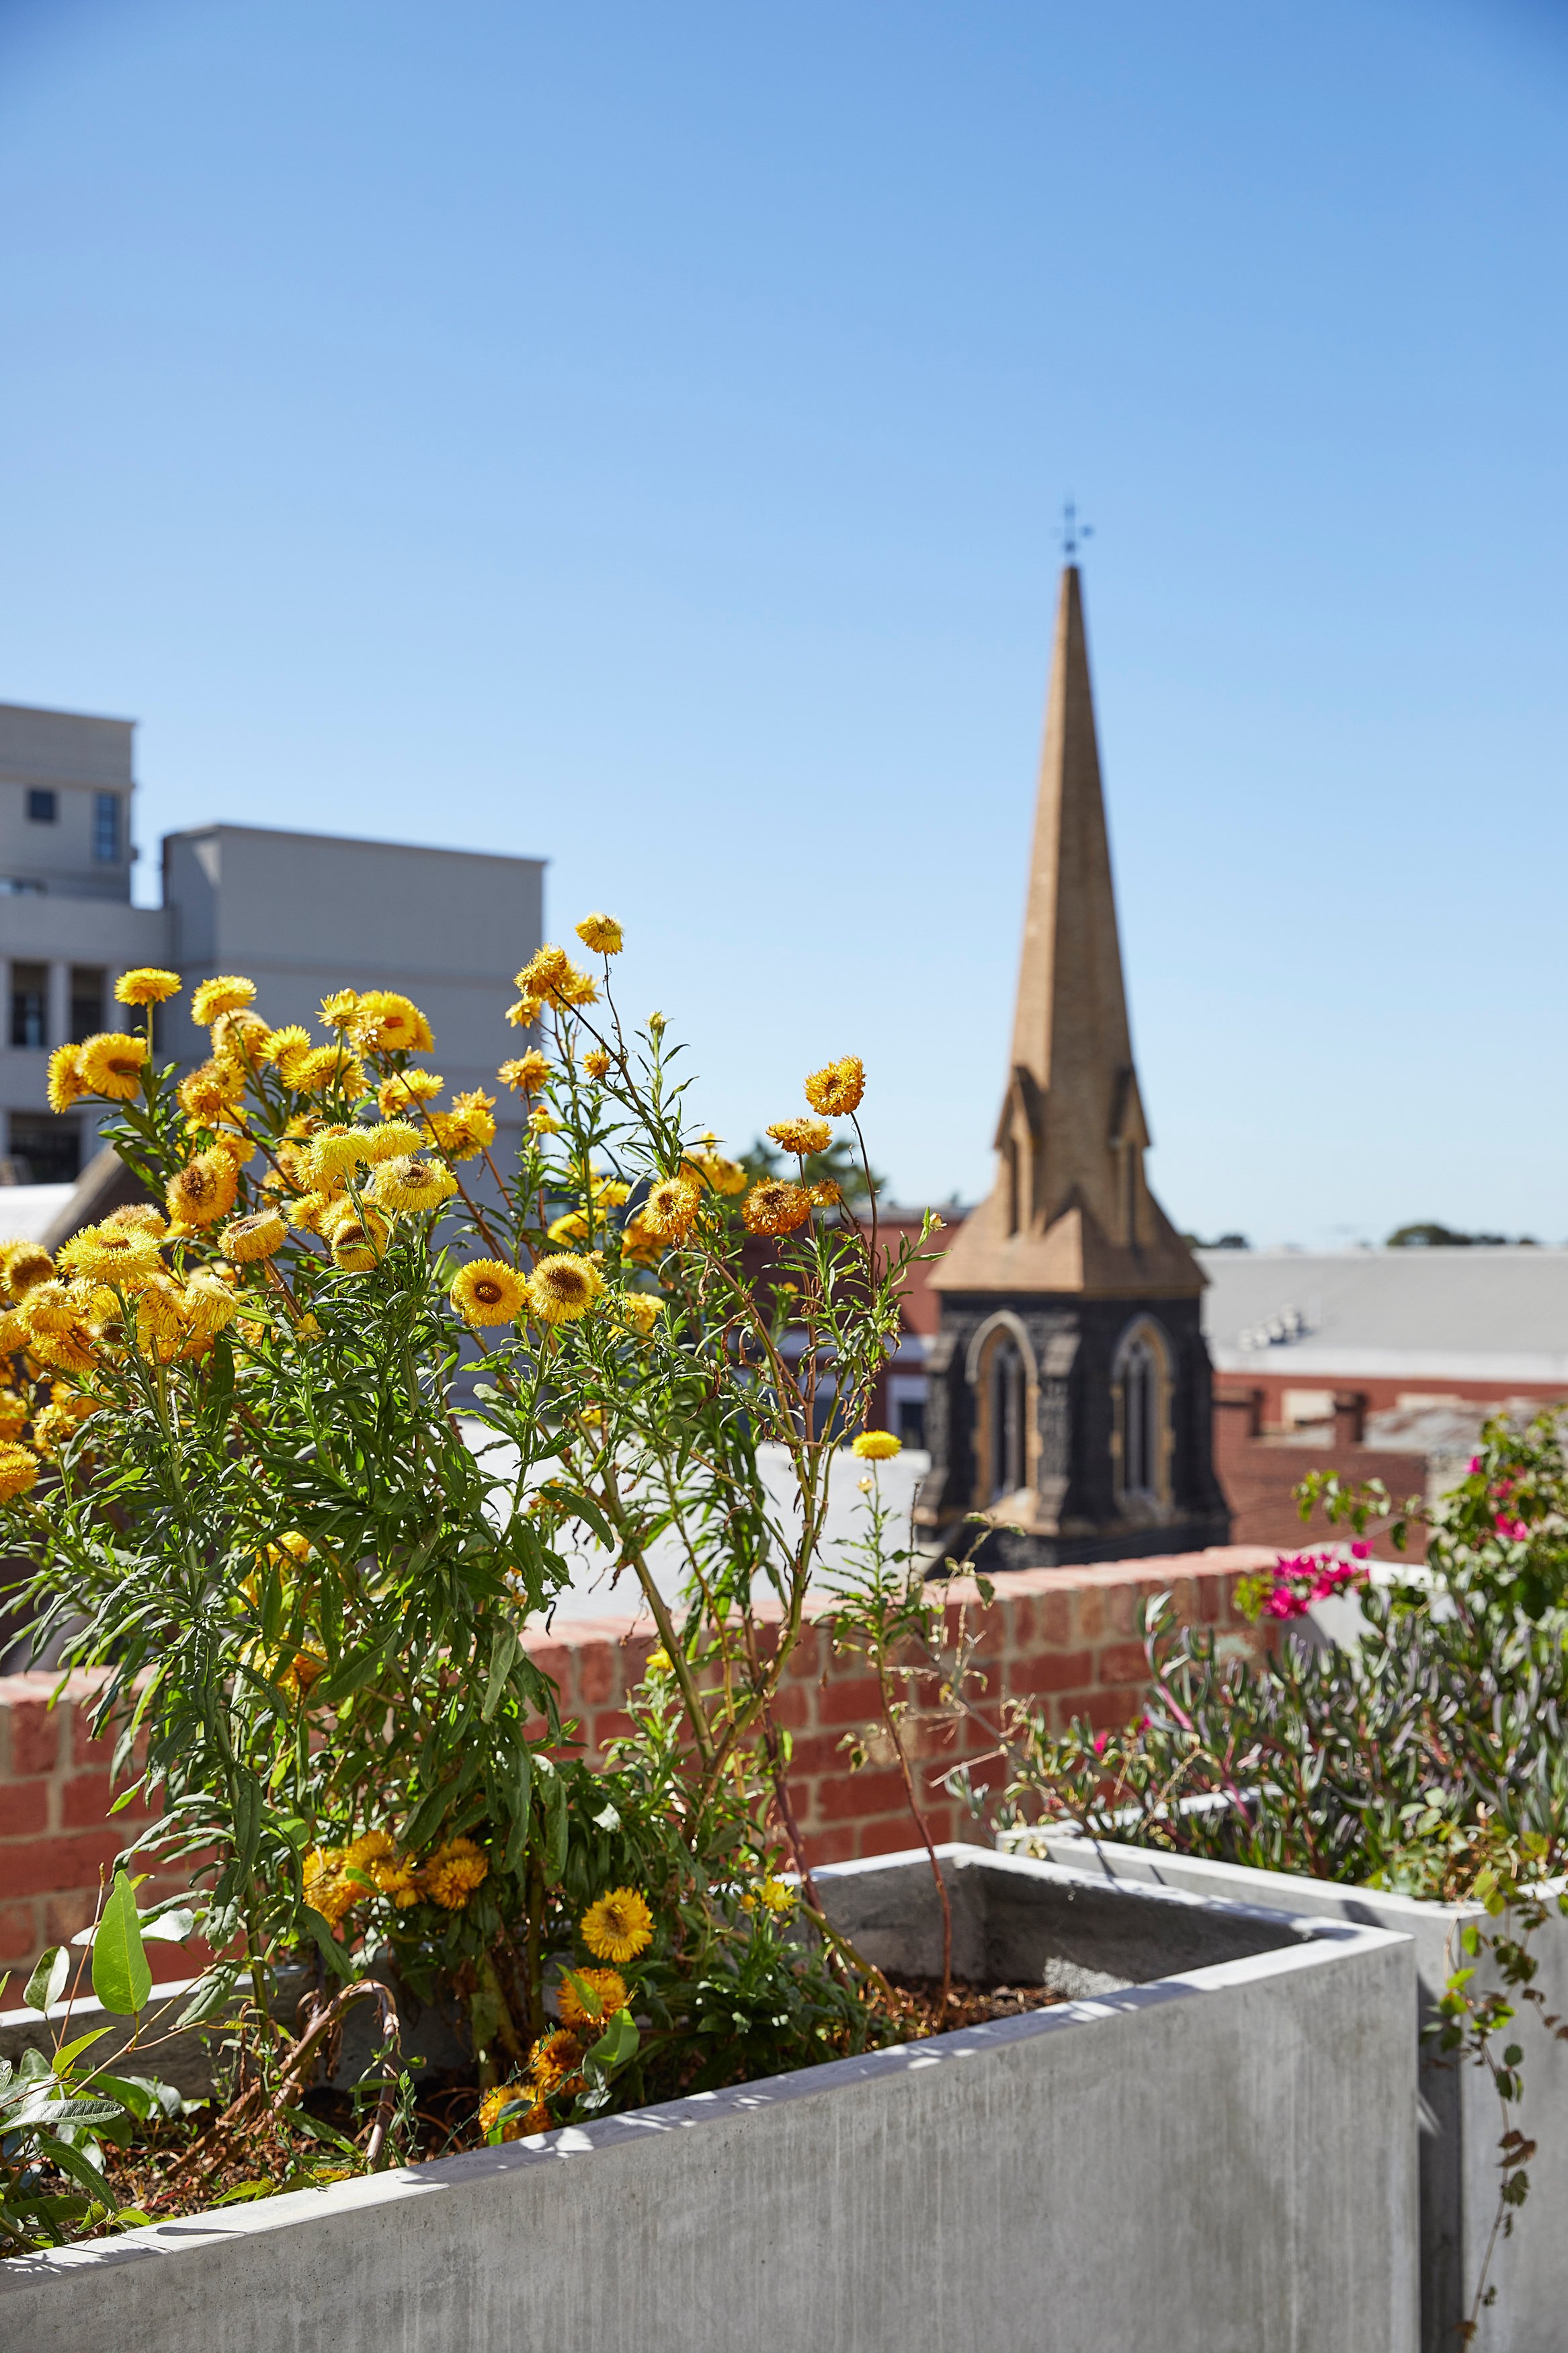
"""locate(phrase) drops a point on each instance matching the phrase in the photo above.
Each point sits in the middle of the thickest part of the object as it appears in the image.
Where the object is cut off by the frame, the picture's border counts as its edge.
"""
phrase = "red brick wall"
(1065, 1636)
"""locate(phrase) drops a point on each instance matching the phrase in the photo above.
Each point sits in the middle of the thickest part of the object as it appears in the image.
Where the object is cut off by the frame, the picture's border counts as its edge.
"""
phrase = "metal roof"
(1490, 1315)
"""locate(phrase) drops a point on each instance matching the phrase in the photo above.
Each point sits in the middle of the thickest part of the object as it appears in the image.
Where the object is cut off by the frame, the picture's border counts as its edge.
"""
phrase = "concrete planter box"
(1460, 2121)
(1210, 2150)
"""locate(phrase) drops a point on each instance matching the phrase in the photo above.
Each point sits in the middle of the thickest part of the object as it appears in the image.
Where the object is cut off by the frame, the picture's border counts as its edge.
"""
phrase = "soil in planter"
(153, 2178)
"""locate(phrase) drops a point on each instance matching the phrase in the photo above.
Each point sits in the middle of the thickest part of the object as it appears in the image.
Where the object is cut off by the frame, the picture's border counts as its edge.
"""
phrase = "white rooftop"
(1488, 1315)
(27, 1211)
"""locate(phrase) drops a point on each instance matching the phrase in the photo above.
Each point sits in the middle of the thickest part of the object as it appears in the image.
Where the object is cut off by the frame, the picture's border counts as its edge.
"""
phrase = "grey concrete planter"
(1210, 2150)
(1460, 2121)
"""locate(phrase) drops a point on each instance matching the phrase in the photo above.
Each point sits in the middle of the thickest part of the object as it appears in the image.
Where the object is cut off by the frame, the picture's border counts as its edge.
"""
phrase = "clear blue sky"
(636, 436)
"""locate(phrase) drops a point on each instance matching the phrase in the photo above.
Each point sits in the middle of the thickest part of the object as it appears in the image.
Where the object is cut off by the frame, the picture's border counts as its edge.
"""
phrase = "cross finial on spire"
(1072, 531)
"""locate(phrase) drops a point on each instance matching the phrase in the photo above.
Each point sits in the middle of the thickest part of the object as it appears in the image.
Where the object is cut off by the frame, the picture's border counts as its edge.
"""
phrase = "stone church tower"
(1069, 1396)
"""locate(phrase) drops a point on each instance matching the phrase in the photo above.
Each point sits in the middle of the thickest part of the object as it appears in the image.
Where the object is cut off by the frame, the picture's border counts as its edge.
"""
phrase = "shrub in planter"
(230, 1440)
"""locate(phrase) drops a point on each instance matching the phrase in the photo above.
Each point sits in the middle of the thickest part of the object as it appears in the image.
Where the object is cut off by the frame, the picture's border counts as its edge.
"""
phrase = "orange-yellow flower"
(487, 1292)
(774, 1207)
(526, 1074)
(453, 1872)
(525, 1012)
(670, 1209)
(800, 1136)
(227, 994)
(562, 1288)
(66, 1085)
(18, 1472)
(405, 1090)
(619, 1926)
(836, 1088)
(596, 1063)
(386, 1023)
(722, 1175)
(23, 1264)
(204, 1192)
(110, 1064)
(519, 2125)
(608, 1988)
(467, 1129)
(602, 934)
(210, 1091)
(148, 985)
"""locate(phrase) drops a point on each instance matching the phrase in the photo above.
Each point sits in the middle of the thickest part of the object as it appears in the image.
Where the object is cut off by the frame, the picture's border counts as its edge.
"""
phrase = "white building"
(299, 913)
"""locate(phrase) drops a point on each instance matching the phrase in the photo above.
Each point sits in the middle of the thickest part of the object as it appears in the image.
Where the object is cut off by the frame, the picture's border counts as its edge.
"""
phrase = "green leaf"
(212, 1991)
(243, 2190)
(47, 1982)
(618, 2043)
(331, 1951)
(503, 1650)
(121, 1977)
(69, 2051)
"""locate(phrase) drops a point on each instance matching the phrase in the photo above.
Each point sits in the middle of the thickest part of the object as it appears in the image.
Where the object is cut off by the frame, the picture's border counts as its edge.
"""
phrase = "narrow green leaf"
(121, 1977)
(331, 1951)
(503, 1650)
(618, 2043)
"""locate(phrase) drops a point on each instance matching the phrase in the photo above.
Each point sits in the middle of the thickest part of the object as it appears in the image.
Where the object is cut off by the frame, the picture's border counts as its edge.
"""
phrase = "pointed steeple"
(1070, 1210)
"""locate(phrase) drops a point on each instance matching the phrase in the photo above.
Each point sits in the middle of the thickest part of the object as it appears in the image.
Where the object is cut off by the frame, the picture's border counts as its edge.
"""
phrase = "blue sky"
(636, 436)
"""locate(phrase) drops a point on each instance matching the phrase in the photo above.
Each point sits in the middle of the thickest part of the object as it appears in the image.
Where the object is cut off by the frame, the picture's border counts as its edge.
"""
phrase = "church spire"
(1070, 1210)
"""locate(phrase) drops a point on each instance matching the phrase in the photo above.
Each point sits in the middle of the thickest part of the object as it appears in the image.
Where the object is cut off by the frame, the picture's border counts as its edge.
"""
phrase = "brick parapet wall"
(1065, 1638)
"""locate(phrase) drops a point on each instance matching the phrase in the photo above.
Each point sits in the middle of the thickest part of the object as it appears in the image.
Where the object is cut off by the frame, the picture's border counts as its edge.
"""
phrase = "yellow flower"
(670, 1209)
(110, 1064)
(358, 1238)
(800, 1136)
(13, 1414)
(48, 1309)
(577, 988)
(775, 1207)
(723, 1175)
(487, 1292)
(562, 1288)
(543, 972)
(596, 1063)
(334, 1156)
(23, 1264)
(408, 1183)
(878, 1446)
(641, 1310)
(777, 1897)
(514, 2127)
(835, 1089)
(66, 1085)
(610, 1192)
(639, 1243)
(618, 1927)
(825, 1194)
(555, 2060)
(453, 1872)
(204, 1192)
(326, 1070)
(658, 1662)
(524, 1013)
(526, 1074)
(602, 934)
(112, 1254)
(241, 1039)
(207, 1303)
(468, 1128)
(68, 1348)
(255, 1237)
(210, 1091)
(305, 1210)
(406, 1088)
(14, 1331)
(386, 1023)
(571, 1228)
(326, 1890)
(607, 1986)
(227, 994)
(395, 1139)
(542, 1121)
(148, 985)
(287, 1049)
(339, 1009)
(137, 1218)
(18, 1472)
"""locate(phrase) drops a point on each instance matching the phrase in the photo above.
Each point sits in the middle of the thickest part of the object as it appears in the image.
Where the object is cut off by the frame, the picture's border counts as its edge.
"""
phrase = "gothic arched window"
(1141, 1382)
(1007, 1386)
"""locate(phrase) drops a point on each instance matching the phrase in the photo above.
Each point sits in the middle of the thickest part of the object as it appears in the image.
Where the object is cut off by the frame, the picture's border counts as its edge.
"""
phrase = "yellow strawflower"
(453, 1872)
(602, 934)
(467, 1129)
(110, 1064)
(146, 986)
(207, 1303)
(777, 1897)
(800, 1136)
(670, 1209)
(618, 1927)
(209, 1092)
(562, 1289)
(555, 2062)
(335, 1154)
(358, 1237)
(572, 1228)
(596, 1063)
(138, 1217)
(720, 1175)
(18, 1472)
(252, 1237)
(543, 972)
(23, 1265)
(514, 2127)
(339, 1009)
(836, 1088)
(287, 1047)
(405, 1090)
(204, 1192)
(394, 1139)
(328, 1068)
(487, 1292)
(641, 1310)
(878, 1446)
(775, 1207)
(408, 1183)
(66, 1082)
(241, 1039)
(526, 1074)
(386, 1023)
(13, 1414)
(542, 1121)
(110, 1254)
(607, 1986)
(227, 994)
(524, 1013)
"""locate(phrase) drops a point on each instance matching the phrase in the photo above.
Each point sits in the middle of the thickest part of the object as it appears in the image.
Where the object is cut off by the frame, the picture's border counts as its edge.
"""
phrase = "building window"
(44, 1150)
(106, 829)
(20, 886)
(1141, 1390)
(86, 1001)
(43, 807)
(1006, 1386)
(29, 1004)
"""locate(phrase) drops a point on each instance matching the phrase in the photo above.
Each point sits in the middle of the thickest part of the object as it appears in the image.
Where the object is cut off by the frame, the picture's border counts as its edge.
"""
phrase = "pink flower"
(1475, 1464)
(1283, 1603)
(1361, 1551)
(1099, 1740)
(1512, 1531)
